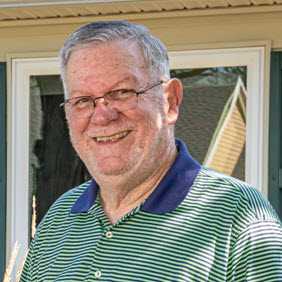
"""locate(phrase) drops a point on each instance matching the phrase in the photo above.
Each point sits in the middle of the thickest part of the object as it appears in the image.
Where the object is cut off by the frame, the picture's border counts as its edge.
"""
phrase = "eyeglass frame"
(103, 97)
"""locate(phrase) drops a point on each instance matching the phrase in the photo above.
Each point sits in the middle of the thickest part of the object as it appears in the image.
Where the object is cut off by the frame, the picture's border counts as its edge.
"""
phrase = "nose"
(102, 114)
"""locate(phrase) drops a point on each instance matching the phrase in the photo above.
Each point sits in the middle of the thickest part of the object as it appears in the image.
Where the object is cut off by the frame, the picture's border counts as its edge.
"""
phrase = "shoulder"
(51, 229)
(60, 210)
(242, 199)
(234, 204)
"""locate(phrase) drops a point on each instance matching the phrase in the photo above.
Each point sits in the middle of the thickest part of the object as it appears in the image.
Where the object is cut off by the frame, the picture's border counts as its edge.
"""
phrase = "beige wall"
(178, 31)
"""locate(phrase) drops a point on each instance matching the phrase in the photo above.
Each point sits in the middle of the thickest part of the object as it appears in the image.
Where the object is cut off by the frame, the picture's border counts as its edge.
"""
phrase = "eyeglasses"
(120, 99)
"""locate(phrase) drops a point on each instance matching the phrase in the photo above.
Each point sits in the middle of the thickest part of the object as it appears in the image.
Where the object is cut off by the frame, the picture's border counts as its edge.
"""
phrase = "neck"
(120, 198)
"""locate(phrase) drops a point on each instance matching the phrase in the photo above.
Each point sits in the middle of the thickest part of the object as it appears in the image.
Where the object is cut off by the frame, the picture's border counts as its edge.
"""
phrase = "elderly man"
(151, 212)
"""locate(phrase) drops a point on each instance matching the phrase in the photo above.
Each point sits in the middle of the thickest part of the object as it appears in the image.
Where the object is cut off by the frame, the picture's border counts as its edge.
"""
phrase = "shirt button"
(109, 234)
(98, 274)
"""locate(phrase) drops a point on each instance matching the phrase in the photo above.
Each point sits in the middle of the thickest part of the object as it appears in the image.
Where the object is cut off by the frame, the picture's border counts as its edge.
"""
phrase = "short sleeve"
(256, 255)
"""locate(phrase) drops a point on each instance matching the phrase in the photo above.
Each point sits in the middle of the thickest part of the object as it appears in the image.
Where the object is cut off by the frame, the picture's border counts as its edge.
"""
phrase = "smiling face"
(113, 143)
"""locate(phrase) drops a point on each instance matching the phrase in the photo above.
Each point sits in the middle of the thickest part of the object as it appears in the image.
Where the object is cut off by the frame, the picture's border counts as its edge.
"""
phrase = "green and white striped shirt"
(197, 225)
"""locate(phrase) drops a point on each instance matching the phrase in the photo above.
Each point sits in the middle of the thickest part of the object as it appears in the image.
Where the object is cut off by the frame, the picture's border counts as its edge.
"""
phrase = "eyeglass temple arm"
(143, 91)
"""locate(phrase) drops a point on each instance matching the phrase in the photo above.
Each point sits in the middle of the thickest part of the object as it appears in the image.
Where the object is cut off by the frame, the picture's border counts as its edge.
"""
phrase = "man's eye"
(123, 91)
(82, 102)
(121, 94)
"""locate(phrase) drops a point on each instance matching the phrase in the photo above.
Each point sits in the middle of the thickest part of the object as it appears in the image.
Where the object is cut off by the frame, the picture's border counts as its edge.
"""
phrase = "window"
(54, 166)
(253, 59)
(212, 119)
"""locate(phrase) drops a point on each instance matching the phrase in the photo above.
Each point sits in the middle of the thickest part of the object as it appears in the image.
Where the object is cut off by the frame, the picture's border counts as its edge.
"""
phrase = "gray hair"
(105, 31)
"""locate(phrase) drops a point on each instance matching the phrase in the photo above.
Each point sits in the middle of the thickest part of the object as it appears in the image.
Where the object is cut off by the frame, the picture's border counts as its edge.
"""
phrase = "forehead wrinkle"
(83, 93)
(90, 92)
(126, 79)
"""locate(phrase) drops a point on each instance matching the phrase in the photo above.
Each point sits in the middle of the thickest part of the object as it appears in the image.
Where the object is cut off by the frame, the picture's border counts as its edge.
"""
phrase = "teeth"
(113, 137)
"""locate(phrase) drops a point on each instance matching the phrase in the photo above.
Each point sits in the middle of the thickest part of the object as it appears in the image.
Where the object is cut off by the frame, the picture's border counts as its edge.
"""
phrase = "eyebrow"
(126, 79)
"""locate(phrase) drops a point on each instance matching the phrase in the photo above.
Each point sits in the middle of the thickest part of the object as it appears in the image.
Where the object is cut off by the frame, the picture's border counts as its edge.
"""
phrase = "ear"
(173, 94)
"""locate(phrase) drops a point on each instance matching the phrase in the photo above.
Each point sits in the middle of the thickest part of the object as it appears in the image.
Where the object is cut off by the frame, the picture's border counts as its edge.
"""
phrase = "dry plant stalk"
(33, 230)
(8, 273)
(21, 268)
(33, 219)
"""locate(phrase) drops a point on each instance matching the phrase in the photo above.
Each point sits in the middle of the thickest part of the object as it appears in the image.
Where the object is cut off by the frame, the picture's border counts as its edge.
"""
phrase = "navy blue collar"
(167, 196)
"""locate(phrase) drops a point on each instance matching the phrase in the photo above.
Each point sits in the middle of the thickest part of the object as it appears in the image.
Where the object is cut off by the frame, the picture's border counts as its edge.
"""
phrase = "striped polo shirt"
(197, 225)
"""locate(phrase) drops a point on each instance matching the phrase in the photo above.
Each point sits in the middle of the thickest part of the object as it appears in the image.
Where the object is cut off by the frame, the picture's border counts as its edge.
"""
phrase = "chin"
(110, 167)
(111, 170)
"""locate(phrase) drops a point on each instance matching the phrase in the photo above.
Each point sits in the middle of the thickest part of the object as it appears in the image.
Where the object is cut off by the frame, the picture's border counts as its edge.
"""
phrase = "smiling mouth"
(112, 138)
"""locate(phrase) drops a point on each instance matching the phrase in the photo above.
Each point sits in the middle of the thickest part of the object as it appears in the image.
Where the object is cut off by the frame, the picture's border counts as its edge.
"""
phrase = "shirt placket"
(98, 270)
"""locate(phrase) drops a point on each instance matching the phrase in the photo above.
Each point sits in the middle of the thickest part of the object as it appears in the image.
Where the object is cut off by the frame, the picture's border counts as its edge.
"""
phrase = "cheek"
(151, 127)
(77, 127)
(155, 117)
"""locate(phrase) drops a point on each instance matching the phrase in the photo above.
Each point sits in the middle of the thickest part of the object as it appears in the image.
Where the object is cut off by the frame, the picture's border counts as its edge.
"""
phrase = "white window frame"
(18, 202)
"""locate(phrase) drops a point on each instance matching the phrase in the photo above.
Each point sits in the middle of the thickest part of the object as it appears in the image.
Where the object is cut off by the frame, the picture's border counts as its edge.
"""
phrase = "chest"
(139, 248)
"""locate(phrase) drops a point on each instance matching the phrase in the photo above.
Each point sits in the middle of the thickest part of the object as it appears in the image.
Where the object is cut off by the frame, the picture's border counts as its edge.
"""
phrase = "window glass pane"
(212, 119)
(54, 165)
